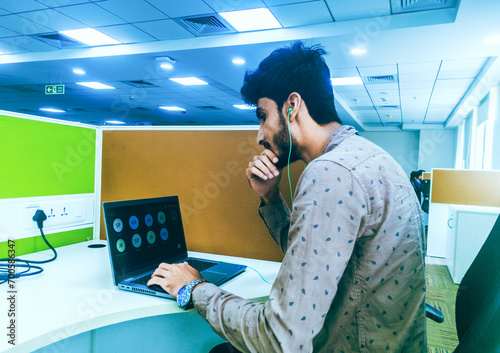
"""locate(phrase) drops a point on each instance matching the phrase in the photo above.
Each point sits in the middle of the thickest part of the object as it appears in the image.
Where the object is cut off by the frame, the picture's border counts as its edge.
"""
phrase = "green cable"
(260, 275)
(289, 155)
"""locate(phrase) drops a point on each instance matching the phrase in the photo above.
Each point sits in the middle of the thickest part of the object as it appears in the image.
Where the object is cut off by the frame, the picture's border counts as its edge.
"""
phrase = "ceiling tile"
(418, 76)
(450, 65)
(133, 10)
(223, 6)
(22, 6)
(4, 32)
(283, 2)
(164, 29)
(449, 74)
(454, 83)
(413, 68)
(23, 25)
(29, 43)
(92, 15)
(182, 8)
(343, 10)
(382, 70)
(9, 48)
(302, 14)
(53, 20)
(126, 33)
(62, 3)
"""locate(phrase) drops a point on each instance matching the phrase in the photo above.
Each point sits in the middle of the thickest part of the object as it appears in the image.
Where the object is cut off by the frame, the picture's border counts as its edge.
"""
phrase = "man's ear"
(294, 101)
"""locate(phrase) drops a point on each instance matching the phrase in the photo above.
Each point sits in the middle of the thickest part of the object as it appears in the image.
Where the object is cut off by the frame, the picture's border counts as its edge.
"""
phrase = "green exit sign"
(54, 89)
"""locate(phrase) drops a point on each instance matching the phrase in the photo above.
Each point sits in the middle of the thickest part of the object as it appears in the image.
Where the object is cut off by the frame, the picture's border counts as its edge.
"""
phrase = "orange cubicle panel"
(466, 187)
(206, 169)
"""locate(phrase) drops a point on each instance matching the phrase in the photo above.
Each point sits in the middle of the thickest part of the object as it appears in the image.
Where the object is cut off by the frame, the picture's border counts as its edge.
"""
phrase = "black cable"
(39, 217)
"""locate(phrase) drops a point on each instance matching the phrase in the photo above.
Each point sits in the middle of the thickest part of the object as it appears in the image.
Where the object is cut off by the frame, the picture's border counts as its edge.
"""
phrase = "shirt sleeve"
(329, 210)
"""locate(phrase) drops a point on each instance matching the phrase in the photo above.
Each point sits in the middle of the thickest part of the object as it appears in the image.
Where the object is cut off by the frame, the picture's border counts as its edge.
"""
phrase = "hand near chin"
(263, 176)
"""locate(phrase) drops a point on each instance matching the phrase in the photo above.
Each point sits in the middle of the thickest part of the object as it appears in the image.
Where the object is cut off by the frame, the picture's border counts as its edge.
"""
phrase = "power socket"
(60, 213)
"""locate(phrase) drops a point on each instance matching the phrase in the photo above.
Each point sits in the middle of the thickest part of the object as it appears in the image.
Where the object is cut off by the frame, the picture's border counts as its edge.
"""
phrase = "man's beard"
(282, 142)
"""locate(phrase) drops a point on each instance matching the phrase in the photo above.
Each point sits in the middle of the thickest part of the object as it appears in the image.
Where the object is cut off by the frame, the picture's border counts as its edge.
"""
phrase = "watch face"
(183, 297)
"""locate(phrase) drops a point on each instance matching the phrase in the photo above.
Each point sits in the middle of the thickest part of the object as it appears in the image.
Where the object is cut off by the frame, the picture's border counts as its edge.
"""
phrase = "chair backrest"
(478, 299)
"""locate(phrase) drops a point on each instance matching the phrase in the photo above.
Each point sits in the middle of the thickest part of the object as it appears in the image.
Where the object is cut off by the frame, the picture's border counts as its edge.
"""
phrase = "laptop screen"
(142, 234)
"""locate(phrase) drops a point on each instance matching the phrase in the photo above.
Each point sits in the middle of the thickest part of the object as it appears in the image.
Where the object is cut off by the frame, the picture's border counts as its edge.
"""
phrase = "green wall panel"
(39, 158)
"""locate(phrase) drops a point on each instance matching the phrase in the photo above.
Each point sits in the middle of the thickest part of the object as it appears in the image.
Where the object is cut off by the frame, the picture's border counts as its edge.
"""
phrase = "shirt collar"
(338, 136)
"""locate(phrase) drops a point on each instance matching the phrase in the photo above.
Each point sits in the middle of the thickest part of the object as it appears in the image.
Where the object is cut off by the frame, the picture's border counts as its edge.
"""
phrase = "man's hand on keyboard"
(172, 277)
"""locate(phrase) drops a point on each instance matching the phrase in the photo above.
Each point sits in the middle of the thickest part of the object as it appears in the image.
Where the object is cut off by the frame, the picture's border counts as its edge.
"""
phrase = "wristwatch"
(184, 295)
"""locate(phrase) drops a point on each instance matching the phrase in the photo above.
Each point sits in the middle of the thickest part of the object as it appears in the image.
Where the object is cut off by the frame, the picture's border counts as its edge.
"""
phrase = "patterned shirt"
(352, 278)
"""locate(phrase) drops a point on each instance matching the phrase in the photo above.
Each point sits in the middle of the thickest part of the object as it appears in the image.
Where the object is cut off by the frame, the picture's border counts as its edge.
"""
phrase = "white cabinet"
(468, 228)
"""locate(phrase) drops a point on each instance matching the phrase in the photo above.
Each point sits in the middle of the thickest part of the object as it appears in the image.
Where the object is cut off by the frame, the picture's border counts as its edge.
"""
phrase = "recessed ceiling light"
(90, 37)
(114, 122)
(492, 40)
(244, 106)
(95, 85)
(342, 81)
(358, 51)
(79, 71)
(52, 110)
(166, 66)
(251, 20)
(173, 109)
(189, 81)
(238, 61)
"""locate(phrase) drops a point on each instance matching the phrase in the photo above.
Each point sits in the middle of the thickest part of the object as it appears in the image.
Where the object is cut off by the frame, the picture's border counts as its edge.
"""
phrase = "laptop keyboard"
(200, 265)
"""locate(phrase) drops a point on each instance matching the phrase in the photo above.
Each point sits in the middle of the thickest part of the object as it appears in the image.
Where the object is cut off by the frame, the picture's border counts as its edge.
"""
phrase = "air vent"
(58, 40)
(401, 6)
(205, 25)
(385, 107)
(380, 79)
(208, 107)
(139, 84)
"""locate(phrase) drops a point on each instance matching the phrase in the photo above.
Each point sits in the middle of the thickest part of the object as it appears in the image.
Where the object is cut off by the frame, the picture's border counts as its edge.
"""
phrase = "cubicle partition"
(206, 169)
(471, 191)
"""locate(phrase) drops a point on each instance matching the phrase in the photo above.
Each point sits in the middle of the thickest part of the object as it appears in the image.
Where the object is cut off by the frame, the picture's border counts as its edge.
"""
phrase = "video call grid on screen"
(144, 233)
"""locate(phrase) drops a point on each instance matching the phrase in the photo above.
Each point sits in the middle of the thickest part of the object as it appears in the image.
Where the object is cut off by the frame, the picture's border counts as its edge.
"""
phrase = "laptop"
(144, 233)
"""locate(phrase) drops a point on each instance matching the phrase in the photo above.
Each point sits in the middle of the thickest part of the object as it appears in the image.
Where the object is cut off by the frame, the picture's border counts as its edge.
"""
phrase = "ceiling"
(423, 60)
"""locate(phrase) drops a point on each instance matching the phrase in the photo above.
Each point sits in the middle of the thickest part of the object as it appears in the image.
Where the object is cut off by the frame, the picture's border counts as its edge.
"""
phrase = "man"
(416, 182)
(352, 277)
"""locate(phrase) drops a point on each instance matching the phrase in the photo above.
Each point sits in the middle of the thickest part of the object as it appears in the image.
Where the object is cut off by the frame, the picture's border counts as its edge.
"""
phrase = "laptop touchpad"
(213, 277)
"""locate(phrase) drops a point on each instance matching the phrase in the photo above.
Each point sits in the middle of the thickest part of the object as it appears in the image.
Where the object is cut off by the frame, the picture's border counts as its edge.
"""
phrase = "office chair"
(477, 306)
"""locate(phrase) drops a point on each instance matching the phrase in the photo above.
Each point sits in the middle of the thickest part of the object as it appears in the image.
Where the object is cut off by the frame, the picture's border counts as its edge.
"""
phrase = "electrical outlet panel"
(59, 213)
(64, 213)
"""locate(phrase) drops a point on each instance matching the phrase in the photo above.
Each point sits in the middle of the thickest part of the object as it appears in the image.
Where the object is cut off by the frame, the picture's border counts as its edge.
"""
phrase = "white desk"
(72, 304)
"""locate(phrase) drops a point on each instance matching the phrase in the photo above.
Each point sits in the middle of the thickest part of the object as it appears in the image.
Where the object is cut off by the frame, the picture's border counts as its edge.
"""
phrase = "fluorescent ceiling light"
(189, 81)
(251, 20)
(52, 110)
(95, 85)
(114, 122)
(173, 109)
(79, 71)
(90, 37)
(358, 51)
(492, 40)
(244, 106)
(342, 81)
(166, 66)
(238, 61)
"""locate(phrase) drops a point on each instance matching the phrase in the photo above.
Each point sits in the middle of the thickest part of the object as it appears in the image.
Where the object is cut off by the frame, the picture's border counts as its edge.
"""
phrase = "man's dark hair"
(298, 69)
